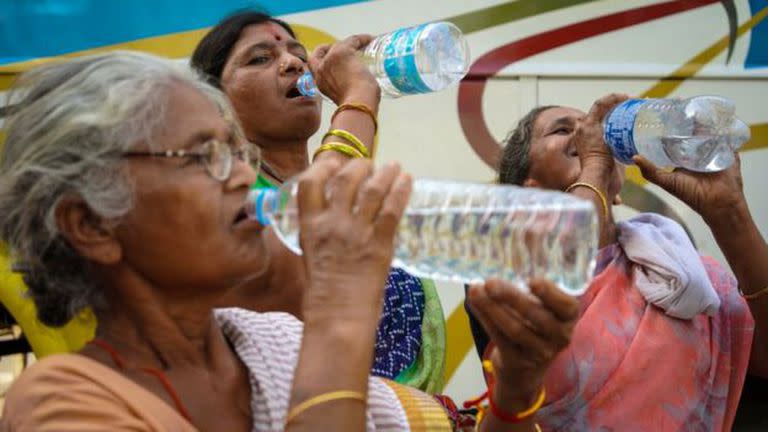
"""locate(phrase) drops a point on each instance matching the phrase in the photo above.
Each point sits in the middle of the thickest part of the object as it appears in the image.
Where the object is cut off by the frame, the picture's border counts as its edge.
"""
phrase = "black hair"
(212, 52)
(515, 159)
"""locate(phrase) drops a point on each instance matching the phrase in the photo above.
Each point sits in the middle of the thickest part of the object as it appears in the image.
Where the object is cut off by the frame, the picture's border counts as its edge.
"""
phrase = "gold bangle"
(323, 398)
(357, 107)
(594, 188)
(538, 428)
(535, 407)
(754, 295)
(338, 147)
(355, 141)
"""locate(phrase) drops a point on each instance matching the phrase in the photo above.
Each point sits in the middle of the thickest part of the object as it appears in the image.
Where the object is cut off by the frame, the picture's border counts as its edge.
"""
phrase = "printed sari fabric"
(630, 367)
(398, 338)
(426, 372)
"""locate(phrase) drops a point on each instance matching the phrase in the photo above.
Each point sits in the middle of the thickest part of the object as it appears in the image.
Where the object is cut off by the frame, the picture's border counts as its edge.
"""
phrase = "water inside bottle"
(431, 58)
(473, 245)
(442, 58)
(700, 134)
(465, 232)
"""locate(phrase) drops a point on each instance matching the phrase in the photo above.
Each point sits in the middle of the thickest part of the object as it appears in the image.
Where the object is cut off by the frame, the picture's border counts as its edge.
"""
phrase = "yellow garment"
(43, 339)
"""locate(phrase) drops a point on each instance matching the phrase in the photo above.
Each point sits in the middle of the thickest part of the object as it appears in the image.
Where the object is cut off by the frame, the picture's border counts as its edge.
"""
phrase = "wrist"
(728, 216)
(518, 395)
(318, 372)
(339, 317)
(356, 340)
(596, 173)
(369, 95)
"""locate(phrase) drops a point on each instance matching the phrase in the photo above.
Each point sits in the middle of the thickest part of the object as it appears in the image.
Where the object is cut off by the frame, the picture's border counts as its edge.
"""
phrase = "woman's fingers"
(342, 188)
(604, 105)
(358, 41)
(562, 305)
(542, 316)
(317, 57)
(311, 193)
(393, 207)
(508, 330)
(371, 194)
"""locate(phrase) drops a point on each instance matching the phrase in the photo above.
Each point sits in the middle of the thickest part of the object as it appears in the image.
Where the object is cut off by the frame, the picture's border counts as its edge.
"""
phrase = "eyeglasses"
(215, 155)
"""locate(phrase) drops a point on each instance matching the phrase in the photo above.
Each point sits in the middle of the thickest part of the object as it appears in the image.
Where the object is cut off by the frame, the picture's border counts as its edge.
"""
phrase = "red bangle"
(495, 410)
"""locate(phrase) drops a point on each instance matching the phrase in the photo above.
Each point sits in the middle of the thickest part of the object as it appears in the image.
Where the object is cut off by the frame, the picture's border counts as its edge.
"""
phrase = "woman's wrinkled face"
(187, 232)
(554, 160)
(260, 79)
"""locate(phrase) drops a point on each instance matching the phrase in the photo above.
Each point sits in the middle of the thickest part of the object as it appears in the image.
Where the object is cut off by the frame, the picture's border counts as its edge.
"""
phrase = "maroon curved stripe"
(471, 88)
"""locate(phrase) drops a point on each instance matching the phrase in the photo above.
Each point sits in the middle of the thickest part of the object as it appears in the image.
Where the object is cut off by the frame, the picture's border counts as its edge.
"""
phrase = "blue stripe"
(39, 28)
(757, 57)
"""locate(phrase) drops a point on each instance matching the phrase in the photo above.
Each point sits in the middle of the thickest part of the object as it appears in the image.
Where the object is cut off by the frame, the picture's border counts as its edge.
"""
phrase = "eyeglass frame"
(201, 156)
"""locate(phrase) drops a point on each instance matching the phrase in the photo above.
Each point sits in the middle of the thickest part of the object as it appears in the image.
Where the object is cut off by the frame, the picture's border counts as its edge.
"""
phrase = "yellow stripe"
(759, 137)
(423, 412)
(669, 84)
(176, 45)
(458, 340)
(6, 80)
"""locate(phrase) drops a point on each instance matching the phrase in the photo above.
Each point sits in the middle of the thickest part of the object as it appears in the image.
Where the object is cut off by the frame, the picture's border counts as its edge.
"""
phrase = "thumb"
(317, 57)
(652, 173)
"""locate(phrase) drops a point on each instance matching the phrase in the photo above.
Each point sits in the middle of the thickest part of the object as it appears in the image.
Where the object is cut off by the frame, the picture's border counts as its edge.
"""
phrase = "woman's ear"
(88, 233)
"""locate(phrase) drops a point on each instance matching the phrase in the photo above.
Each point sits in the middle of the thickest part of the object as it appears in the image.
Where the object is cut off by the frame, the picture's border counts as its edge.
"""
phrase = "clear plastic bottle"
(467, 232)
(412, 60)
(699, 134)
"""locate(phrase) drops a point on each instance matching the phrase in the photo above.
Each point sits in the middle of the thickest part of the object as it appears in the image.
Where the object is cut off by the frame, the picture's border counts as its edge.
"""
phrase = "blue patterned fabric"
(398, 338)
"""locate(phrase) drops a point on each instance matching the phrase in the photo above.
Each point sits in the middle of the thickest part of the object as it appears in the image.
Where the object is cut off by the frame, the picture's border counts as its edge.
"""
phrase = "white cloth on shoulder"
(268, 344)
(668, 271)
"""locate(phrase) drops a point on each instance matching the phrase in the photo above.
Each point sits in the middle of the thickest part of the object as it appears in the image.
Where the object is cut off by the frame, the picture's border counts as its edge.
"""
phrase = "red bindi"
(274, 30)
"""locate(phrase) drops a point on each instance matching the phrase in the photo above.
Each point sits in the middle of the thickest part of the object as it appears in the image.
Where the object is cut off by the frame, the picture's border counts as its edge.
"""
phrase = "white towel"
(669, 272)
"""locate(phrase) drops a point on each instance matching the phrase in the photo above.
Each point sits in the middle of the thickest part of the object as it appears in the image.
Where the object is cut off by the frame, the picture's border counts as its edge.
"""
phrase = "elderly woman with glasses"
(122, 187)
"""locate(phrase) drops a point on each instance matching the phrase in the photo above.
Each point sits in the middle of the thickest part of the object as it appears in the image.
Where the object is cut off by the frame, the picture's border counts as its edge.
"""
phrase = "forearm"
(357, 122)
(747, 254)
(332, 358)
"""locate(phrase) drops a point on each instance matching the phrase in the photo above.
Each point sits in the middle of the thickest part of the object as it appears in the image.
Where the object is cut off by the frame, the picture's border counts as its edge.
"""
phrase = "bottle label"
(620, 128)
(400, 61)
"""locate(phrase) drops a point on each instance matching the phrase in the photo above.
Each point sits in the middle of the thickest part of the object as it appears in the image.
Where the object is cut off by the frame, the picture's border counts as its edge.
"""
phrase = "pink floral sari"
(630, 367)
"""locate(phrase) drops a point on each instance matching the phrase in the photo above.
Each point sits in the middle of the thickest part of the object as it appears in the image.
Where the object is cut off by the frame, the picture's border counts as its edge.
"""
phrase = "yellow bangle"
(355, 141)
(323, 398)
(357, 107)
(538, 428)
(338, 147)
(754, 295)
(594, 188)
(535, 407)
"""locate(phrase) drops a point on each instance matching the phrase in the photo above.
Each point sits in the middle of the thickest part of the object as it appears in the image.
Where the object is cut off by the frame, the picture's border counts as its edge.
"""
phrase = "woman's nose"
(242, 174)
(291, 64)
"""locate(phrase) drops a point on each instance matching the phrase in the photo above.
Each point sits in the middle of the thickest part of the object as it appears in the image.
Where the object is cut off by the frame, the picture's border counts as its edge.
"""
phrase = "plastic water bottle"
(412, 60)
(467, 232)
(699, 134)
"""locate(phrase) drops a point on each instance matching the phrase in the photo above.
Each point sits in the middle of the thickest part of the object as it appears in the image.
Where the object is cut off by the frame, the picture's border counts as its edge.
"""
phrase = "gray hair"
(515, 159)
(69, 125)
